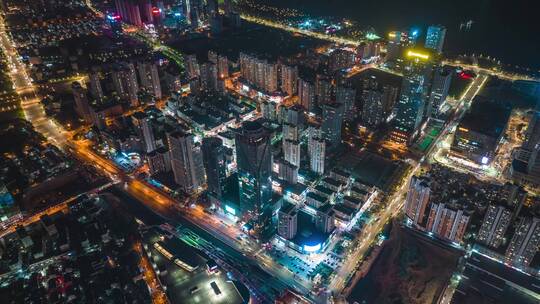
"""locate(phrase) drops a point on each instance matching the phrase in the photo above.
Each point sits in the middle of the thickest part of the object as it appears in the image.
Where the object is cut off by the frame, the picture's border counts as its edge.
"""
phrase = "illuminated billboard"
(419, 55)
(312, 248)
(230, 210)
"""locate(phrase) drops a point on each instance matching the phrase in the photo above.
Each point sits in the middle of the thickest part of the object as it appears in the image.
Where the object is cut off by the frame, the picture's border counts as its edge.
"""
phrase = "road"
(292, 29)
(396, 201)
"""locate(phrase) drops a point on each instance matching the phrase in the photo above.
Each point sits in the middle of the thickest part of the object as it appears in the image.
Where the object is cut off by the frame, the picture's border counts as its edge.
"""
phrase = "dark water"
(505, 29)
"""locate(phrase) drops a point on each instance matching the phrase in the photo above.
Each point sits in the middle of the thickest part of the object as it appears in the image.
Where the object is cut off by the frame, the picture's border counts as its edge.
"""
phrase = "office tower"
(223, 66)
(82, 107)
(439, 90)
(325, 219)
(526, 165)
(192, 66)
(158, 161)
(347, 97)
(448, 221)
(287, 171)
(317, 150)
(209, 80)
(435, 38)
(390, 95)
(143, 124)
(215, 164)
(323, 89)
(413, 35)
(525, 242)
(148, 73)
(332, 121)
(394, 49)
(289, 79)
(125, 82)
(129, 11)
(412, 104)
(373, 113)
(254, 162)
(494, 225)
(417, 199)
(287, 221)
(185, 161)
(306, 94)
(95, 84)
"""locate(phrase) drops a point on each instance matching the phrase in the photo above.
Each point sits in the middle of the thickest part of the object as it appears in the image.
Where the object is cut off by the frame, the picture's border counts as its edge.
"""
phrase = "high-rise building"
(254, 162)
(186, 161)
(194, 12)
(268, 110)
(289, 79)
(214, 159)
(223, 66)
(323, 89)
(143, 124)
(287, 221)
(148, 73)
(82, 106)
(317, 150)
(95, 85)
(347, 97)
(373, 113)
(341, 59)
(259, 72)
(525, 242)
(325, 219)
(417, 199)
(332, 121)
(412, 105)
(439, 90)
(291, 151)
(448, 221)
(192, 66)
(494, 225)
(435, 37)
(129, 10)
(124, 79)
(306, 93)
(526, 165)
(287, 171)
(209, 77)
(158, 161)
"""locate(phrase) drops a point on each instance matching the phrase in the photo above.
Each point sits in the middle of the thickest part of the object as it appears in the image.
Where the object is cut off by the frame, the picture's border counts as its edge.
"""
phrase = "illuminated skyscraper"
(82, 107)
(347, 97)
(439, 90)
(287, 221)
(214, 164)
(148, 73)
(494, 225)
(417, 199)
(125, 83)
(317, 151)
(306, 93)
(254, 162)
(435, 37)
(526, 165)
(332, 121)
(186, 161)
(525, 242)
(412, 105)
(289, 79)
(323, 89)
(95, 84)
(143, 124)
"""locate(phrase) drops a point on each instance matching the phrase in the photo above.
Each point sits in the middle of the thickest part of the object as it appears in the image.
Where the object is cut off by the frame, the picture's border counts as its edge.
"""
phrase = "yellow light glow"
(417, 55)
(463, 129)
(391, 35)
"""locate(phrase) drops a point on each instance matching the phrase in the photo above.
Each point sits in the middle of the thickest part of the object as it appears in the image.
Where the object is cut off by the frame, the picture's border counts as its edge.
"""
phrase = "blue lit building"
(411, 109)
(435, 38)
(254, 162)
